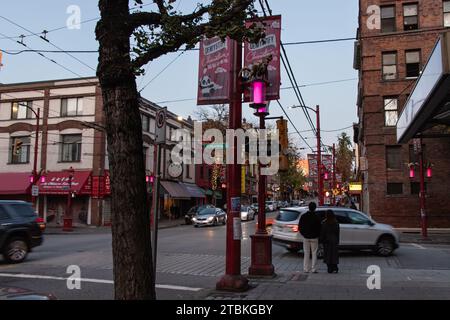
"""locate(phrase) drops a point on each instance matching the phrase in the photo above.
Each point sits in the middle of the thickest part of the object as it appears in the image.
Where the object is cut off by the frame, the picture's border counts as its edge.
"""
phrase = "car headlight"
(194, 219)
(210, 219)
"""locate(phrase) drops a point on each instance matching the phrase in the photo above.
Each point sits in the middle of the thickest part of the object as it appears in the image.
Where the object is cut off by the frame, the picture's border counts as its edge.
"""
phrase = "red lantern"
(42, 179)
(326, 176)
(429, 172)
(411, 172)
(31, 178)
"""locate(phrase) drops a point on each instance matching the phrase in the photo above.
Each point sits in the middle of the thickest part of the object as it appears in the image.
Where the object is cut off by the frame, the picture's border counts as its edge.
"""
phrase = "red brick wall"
(399, 210)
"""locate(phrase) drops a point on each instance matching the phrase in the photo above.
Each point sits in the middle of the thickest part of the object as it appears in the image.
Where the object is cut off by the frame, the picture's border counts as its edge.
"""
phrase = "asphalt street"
(191, 260)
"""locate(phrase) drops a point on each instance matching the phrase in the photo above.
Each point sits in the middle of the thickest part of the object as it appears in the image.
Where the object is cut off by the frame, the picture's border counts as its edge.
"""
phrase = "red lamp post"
(67, 226)
(261, 250)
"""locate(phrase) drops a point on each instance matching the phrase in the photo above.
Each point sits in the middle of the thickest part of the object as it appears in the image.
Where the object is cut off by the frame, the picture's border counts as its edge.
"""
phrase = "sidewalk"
(414, 235)
(163, 224)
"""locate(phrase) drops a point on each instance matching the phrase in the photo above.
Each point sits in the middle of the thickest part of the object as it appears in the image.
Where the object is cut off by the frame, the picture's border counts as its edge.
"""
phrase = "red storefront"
(56, 189)
(15, 186)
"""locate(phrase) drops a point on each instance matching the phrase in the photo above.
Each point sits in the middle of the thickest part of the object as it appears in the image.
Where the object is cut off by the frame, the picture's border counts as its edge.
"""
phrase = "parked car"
(255, 208)
(357, 231)
(272, 205)
(14, 293)
(247, 213)
(194, 210)
(20, 230)
(209, 217)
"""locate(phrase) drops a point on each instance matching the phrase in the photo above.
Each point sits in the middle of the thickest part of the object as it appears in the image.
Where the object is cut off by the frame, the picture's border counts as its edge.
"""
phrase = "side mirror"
(371, 223)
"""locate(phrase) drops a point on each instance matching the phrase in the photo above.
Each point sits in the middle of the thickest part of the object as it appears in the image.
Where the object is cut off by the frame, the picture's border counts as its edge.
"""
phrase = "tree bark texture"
(131, 241)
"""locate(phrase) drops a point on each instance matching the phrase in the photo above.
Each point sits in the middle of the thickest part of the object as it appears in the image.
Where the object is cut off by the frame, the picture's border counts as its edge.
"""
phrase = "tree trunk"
(132, 254)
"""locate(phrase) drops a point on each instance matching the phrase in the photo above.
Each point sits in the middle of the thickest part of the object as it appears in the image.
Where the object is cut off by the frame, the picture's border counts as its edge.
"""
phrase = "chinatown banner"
(255, 53)
(327, 163)
(214, 71)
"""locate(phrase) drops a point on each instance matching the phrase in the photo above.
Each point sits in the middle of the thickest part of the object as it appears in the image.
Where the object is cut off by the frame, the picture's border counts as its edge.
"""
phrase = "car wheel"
(224, 221)
(16, 250)
(385, 246)
(293, 250)
(195, 226)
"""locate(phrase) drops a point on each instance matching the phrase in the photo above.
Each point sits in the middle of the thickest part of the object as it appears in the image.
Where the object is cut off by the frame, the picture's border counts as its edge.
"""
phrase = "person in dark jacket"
(329, 237)
(309, 227)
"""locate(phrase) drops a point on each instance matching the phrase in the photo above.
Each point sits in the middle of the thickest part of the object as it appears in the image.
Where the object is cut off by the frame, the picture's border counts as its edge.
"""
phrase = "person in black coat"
(329, 237)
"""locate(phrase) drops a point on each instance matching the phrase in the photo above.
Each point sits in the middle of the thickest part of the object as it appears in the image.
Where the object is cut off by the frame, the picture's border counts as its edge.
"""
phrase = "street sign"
(34, 191)
(417, 146)
(161, 126)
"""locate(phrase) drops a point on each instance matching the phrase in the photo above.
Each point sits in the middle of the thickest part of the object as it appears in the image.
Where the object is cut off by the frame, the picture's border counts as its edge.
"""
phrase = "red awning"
(58, 183)
(15, 183)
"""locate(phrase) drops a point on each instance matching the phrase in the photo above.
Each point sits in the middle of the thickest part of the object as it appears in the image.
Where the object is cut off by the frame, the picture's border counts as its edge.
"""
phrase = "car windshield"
(207, 211)
(244, 208)
(22, 210)
(288, 215)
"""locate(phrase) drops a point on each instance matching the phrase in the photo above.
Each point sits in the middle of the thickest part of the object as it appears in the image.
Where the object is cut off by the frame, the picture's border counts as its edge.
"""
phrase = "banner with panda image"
(214, 71)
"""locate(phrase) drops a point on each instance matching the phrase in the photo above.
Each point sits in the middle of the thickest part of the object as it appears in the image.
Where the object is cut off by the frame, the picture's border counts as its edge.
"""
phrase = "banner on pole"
(255, 53)
(214, 71)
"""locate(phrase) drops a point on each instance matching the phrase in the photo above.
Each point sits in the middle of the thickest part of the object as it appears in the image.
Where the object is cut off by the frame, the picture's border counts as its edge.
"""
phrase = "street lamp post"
(261, 247)
(34, 174)
(319, 152)
(67, 225)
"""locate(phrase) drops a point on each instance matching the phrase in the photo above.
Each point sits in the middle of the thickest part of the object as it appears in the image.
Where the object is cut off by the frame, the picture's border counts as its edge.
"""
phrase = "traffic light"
(17, 146)
(284, 143)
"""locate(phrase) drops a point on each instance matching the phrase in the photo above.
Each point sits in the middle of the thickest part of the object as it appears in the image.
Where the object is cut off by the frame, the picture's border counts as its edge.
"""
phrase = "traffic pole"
(319, 158)
(423, 214)
(36, 146)
(233, 280)
(334, 173)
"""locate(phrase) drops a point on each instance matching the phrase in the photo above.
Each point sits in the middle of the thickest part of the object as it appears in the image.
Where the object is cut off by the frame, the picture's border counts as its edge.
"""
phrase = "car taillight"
(40, 221)
(294, 227)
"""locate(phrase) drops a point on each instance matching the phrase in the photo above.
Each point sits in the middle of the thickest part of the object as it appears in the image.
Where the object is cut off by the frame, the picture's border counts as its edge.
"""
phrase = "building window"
(446, 13)
(393, 157)
(412, 63)
(21, 110)
(20, 150)
(145, 123)
(71, 107)
(389, 65)
(413, 157)
(388, 19)
(390, 111)
(71, 148)
(152, 125)
(410, 17)
(415, 187)
(394, 188)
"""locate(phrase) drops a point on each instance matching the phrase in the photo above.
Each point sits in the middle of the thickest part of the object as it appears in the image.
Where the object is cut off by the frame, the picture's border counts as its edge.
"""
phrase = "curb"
(104, 231)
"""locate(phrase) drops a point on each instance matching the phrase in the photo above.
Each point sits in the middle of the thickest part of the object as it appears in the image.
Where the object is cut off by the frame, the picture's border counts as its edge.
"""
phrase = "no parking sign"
(161, 126)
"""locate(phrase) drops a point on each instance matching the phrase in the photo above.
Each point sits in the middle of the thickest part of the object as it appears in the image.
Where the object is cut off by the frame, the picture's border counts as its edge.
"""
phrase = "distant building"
(390, 53)
(71, 135)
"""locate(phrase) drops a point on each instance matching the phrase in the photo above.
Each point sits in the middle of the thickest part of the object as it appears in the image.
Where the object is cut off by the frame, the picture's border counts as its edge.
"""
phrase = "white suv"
(357, 230)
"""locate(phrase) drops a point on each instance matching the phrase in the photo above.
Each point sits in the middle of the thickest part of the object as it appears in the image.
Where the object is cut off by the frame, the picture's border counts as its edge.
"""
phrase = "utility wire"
(44, 38)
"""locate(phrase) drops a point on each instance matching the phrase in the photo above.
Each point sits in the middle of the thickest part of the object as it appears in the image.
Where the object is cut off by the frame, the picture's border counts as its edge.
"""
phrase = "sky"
(301, 21)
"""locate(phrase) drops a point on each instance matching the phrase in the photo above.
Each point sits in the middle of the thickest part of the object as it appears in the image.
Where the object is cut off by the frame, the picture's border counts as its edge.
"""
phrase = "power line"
(44, 38)
(287, 116)
(164, 69)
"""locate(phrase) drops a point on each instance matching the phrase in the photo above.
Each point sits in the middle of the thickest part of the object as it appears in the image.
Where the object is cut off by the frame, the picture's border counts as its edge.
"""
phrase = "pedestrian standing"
(309, 227)
(329, 237)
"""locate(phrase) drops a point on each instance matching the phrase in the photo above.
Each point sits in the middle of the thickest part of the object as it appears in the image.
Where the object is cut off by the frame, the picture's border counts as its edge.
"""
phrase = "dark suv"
(20, 230)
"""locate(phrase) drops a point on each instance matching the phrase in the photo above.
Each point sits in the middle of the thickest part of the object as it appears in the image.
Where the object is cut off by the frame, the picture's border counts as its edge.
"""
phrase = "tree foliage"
(344, 157)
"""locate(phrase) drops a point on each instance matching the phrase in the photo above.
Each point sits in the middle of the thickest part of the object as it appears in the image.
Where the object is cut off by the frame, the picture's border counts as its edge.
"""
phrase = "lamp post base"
(261, 264)
(67, 226)
(235, 283)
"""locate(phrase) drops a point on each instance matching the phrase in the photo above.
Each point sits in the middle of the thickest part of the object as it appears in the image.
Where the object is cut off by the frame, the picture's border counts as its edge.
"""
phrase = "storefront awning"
(57, 183)
(15, 183)
(175, 190)
(428, 105)
(194, 190)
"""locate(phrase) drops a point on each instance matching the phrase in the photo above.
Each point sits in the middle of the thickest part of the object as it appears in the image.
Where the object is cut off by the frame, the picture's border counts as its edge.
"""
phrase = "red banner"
(215, 71)
(254, 53)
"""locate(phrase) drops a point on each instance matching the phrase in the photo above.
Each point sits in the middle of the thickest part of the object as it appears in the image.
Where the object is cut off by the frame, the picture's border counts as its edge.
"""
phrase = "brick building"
(395, 40)
(71, 136)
